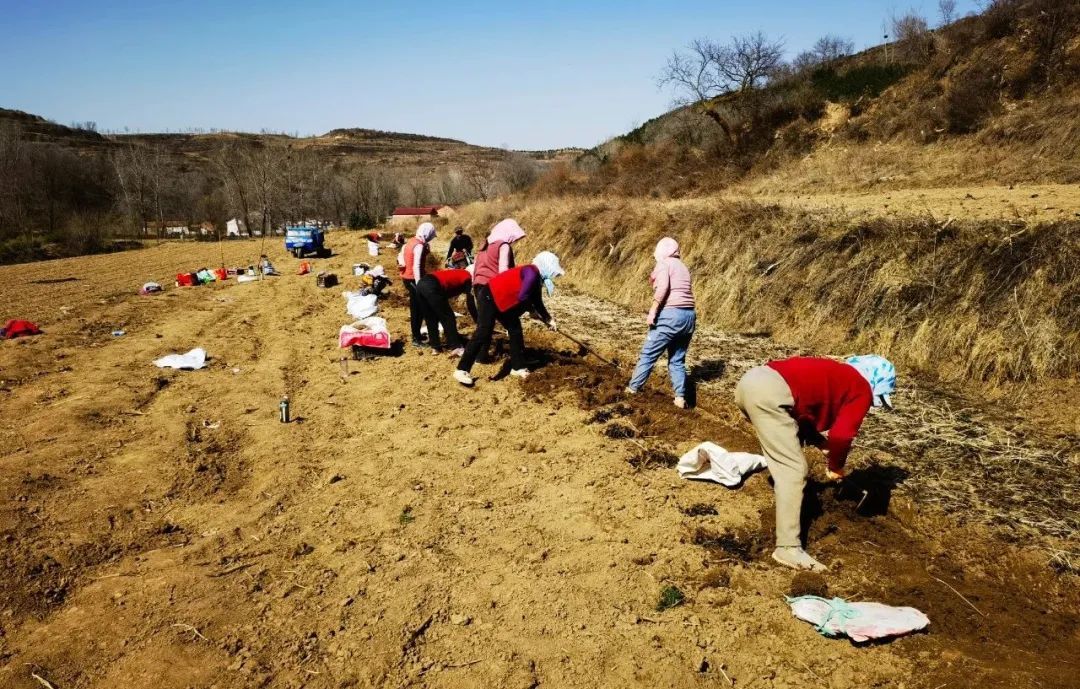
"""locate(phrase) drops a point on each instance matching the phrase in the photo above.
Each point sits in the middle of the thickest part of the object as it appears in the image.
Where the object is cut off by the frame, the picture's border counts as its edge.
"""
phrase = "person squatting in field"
(671, 321)
(412, 261)
(459, 254)
(815, 401)
(434, 292)
(504, 299)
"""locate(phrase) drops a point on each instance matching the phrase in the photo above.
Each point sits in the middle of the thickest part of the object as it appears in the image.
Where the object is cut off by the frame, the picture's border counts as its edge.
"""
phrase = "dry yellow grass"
(991, 302)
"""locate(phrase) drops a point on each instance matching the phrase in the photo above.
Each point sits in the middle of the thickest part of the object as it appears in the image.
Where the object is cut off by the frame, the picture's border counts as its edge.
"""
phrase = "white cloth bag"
(361, 306)
(710, 462)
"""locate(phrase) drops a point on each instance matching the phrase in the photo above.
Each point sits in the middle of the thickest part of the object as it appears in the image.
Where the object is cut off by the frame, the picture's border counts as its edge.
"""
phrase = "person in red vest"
(495, 256)
(412, 261)
(497, 253)
(510, 294)
(435, 291)
(815, 401)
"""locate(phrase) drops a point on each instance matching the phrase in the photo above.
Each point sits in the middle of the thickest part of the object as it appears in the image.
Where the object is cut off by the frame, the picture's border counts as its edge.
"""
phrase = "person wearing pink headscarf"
(671, 321)
(411, 262)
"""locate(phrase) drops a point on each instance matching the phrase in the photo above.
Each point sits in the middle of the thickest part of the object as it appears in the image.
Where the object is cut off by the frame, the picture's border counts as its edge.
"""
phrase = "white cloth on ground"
(858, 621)
(195, 359)
(360, 306)
(710, 462)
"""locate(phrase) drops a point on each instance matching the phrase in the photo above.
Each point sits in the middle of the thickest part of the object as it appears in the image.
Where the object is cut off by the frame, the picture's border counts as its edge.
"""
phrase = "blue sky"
(525, 75)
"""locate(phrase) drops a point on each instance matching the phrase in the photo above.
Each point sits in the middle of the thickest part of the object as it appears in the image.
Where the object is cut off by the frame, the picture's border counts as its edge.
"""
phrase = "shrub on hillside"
(914, 41)
(970, 99)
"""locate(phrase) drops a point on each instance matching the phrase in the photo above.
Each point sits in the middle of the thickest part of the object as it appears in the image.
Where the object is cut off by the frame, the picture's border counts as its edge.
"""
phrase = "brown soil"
(164, 529)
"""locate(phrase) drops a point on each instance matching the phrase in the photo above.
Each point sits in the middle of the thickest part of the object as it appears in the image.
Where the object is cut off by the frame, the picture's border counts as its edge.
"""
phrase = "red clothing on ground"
(830, 395)
(13, 329)
(453, 282)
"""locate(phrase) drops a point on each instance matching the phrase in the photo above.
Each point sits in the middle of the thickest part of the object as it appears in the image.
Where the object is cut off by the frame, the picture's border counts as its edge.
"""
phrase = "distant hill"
(391, 149)
(990, 98)
(69, 190)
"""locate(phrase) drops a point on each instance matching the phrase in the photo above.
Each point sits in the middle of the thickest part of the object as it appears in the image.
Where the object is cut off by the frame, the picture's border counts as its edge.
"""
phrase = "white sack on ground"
(195, 359)
(710, 462)
(361, 306)
(374, 323)
(858, 621)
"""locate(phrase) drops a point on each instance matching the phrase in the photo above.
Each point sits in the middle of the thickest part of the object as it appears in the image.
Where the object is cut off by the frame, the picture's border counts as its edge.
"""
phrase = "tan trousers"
(764, 396)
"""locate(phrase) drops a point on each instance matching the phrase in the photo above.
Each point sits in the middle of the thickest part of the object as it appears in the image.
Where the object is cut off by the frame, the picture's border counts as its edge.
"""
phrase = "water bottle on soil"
(283, 408)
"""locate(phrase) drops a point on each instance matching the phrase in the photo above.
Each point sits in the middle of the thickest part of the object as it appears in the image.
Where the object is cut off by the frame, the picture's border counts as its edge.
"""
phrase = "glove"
(554, 326)
(831, 475)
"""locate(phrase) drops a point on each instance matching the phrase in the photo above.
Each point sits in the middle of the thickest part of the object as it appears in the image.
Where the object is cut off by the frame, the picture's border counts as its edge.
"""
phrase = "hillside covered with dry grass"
(987, 99)
(992, 302)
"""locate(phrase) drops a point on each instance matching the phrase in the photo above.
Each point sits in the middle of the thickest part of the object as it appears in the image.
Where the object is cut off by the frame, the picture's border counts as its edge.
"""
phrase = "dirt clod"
(699, 509)
(808, 584)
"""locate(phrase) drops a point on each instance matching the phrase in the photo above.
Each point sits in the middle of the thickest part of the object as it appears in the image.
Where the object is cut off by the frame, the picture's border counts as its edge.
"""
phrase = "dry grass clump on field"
(986, 302)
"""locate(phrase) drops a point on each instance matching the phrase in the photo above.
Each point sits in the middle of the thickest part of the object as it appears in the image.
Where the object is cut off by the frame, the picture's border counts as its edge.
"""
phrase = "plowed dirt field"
(164, 529)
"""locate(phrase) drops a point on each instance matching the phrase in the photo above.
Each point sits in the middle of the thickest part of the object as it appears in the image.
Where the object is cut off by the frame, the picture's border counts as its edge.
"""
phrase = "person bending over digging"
(505, 298)
(671, 321)
(496, 255)
(795, 401)
(412, 261)
(435, 291)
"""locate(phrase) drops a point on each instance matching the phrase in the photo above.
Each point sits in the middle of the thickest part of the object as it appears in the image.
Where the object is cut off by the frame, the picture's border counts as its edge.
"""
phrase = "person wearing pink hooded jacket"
(671, 321)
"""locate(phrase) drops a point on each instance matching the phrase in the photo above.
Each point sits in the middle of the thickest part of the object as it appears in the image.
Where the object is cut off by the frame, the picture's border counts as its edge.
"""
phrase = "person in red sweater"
(504, 299)
(815, 401)
(434, 292)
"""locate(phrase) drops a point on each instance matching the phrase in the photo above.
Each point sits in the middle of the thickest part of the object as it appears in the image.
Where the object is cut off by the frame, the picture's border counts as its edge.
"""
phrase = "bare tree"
(829, 48)
(707, 70)
(825, 50)
(947, 11)
(478, 180)
(230, 163)
(913, 38)
(750, 60)
(517, 172)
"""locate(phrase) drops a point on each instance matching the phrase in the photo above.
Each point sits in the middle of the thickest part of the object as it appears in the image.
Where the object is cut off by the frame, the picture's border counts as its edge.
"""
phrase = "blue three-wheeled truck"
(303, 240)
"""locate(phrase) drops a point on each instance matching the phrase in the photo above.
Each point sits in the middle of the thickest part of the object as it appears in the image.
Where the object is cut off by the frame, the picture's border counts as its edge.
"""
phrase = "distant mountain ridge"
(396, 149)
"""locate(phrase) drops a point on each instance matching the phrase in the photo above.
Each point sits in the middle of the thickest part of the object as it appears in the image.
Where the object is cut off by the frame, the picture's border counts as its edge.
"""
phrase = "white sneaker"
(797, 558)
(463, 377)
(630, 391)
(680, 402)
(520, 372)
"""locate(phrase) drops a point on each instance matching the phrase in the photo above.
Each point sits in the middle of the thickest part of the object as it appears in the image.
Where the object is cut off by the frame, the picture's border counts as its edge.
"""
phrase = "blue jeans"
(672, 333)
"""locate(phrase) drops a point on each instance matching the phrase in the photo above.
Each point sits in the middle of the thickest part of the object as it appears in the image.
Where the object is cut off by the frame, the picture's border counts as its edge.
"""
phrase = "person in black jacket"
(459, 255)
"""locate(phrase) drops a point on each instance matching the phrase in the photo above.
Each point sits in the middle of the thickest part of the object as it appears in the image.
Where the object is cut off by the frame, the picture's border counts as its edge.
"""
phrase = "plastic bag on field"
(195, 359)
(857, 621)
